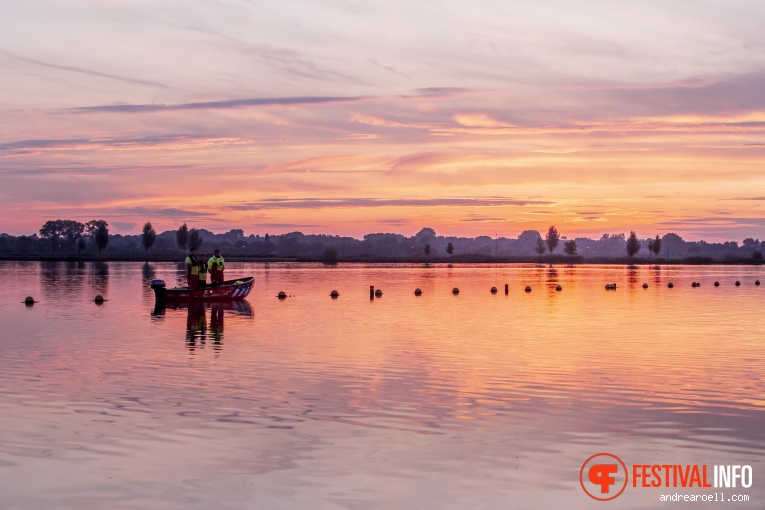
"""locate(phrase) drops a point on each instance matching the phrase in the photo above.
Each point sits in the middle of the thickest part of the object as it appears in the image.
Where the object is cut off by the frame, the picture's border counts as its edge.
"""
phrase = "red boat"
(228, 290)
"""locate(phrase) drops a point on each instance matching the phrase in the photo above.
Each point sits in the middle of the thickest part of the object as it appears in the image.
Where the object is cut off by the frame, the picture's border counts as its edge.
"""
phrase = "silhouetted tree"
(541, 247)
(101, 237)
(92, 226)
(195, 241)
(425, 235)
(654, 246)
(552, 238)
(81, 244)
(330, 255)
(427, 250)
(148, 236)
(749, 246)
(182, 237)
(633, 244)
(450, 249)
(570, 247)
(56, 230)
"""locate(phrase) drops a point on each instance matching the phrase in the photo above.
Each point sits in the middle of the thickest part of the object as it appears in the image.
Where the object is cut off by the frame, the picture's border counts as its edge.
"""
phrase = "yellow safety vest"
(217, 262)
(194, 267)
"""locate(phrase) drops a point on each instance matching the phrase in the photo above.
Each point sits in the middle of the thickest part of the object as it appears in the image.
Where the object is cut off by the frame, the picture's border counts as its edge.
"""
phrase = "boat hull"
(227, 291)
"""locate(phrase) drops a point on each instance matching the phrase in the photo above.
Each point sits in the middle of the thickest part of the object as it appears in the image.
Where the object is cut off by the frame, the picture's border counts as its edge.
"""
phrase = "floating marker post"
(507, 289)
(371, 292)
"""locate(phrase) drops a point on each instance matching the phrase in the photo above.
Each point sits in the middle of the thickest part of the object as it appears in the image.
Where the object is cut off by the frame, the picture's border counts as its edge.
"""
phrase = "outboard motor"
(158, 286)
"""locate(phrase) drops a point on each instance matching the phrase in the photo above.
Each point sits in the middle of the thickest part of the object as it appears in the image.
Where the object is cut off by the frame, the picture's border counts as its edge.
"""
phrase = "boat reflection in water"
(199, 329)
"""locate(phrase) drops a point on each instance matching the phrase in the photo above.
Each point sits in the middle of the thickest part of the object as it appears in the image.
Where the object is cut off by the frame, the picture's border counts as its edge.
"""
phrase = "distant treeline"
(68, 239)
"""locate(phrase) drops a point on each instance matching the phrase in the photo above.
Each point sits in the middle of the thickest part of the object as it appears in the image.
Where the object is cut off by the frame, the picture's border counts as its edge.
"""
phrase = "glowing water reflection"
(475, 400)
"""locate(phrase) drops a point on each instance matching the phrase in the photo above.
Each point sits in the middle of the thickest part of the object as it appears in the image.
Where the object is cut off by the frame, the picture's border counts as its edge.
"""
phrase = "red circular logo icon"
(601, 476)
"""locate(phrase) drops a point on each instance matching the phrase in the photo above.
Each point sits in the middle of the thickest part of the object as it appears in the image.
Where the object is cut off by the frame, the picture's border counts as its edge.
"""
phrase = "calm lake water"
(473, 401)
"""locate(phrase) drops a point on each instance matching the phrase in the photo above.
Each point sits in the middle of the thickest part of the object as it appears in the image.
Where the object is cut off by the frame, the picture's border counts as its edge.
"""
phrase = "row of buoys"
(30, 301)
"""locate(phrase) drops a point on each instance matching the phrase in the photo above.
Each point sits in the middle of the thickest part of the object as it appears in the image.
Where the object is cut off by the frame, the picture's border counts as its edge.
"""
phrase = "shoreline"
(461, 259)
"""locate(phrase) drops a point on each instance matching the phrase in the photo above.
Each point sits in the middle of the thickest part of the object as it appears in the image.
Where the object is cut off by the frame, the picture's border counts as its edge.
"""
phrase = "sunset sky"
(357, 116)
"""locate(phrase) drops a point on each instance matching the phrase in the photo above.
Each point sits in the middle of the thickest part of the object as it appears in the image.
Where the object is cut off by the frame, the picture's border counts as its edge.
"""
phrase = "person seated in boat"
(192, 269)
(202, 271)
(216, 266)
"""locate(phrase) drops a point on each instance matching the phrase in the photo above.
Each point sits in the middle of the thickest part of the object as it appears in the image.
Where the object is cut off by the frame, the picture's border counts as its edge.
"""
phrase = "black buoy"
(378, 293)
(282, 295)
(757, 282)
(418, 292)
(717, 284)
(558, 288)
(670, 285)
(334, 294)
(493, 290)
(29, 301)
(99, 299)
(738, 283)
(528, 288)
(645, 285)
(455, 291)
(610, 286)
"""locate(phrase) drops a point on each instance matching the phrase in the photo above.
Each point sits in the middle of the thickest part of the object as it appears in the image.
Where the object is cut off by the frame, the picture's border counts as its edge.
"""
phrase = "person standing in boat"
(192, 269)
(202, 271)
(216, 266)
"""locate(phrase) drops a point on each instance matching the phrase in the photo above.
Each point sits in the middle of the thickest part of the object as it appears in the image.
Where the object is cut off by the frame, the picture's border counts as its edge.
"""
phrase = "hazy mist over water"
(443, 401)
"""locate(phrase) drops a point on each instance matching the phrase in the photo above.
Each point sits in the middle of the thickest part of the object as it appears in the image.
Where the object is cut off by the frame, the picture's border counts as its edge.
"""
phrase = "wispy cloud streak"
(80, 70)
(147, 142)
(316, 203)
(217, 105)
